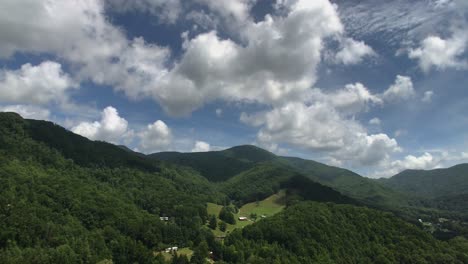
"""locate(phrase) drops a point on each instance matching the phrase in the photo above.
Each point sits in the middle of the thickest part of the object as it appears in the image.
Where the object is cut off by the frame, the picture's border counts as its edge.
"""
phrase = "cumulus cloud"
(427, 98)
(111, 127)
(424, 162)
(156, 137)
(353, 52)
(375, 121)
(201, 146)
(354, 98)
(27, 111)
(402, 89)
(275, 61)
(320, 127)
(238, 9)
(441, 54)
(39, 84)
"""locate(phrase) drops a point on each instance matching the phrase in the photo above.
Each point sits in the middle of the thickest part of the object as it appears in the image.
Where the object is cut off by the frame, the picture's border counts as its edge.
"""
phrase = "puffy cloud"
(375, 121)
(353, 52)
(320, 127)
(424, 162)
(156, 137)
(238, 9)
(27, 111)
(38, 84)
(427, 98)
(201, 146)
(111, 127)
(353, 99)
(277, 62)
(78, 32)
(441, 54)
(402, 89)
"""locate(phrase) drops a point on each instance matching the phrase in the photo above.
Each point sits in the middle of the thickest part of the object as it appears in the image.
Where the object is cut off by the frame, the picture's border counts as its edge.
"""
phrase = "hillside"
(431, 183)
(67, 199)
(221, 166)
(218, 166)
(67, 205)
(327, 233)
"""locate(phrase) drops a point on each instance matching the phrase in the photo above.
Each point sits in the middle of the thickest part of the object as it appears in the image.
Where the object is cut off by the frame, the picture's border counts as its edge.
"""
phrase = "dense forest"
(66, 199)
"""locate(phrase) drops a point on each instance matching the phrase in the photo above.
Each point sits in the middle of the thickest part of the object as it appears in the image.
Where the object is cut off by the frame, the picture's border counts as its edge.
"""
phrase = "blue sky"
(373, 86)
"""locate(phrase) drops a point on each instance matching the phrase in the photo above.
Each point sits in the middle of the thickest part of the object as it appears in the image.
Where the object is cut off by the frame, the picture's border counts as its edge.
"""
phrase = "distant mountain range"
(67, 199)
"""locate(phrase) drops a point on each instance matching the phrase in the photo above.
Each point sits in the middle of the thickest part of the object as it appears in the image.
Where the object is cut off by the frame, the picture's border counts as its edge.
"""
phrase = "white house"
(164, 218)
(171, 249)
(243, 218)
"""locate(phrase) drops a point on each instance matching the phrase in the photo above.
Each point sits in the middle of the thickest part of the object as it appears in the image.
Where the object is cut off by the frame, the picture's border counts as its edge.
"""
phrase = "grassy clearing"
(268, 207)
(182, 251)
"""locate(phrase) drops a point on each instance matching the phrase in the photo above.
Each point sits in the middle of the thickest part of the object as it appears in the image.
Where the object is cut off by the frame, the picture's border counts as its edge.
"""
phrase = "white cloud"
(320, 127)
(441, 54)
(375, 121)
(427, 161)
(156, 137)
(27, 111)
(424, 162)
(238, 9)
(353, 52)
(219, 112)
(111, 127)
(353, 99)
(427, 98)
(402, 89)
(400, 132)
(38, 84)
(201, 146)
(275, 61)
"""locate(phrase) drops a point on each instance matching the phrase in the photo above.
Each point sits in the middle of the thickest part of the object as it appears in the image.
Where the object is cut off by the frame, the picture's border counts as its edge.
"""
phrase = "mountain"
(431, 183)
(220, 166)
(305, 233)
(67, 199)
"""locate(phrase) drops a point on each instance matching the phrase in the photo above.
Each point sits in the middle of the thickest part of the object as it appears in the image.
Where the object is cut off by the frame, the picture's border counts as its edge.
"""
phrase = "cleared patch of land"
(182, 251)
(265, 208)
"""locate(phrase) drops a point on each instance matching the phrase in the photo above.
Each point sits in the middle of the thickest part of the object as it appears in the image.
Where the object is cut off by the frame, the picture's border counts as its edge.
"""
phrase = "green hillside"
(327, 233)
(431, 183)
(218, 166)
(243, 162)
(67, 199)
(54, 209)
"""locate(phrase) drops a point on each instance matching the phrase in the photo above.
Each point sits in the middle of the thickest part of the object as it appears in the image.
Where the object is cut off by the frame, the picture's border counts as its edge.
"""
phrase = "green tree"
(213, 222)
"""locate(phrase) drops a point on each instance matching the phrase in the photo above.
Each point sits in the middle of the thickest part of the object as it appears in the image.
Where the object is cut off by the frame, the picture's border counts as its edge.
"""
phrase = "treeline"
(52, 210)
(311, 232)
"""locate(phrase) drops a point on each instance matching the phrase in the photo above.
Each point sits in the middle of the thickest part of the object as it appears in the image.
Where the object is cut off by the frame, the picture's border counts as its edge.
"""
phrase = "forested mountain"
(218, 166)
(328, 233)
(223, 165)
(431, 183)
(104, 205)
(66, 199)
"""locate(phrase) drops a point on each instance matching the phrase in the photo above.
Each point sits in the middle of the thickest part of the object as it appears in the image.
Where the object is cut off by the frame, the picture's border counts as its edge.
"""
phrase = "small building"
(164, 218)
(171, 249)
(243, 218)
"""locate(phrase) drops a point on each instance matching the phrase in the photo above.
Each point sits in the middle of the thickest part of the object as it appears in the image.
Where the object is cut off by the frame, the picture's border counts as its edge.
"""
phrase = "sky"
(375, 86)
